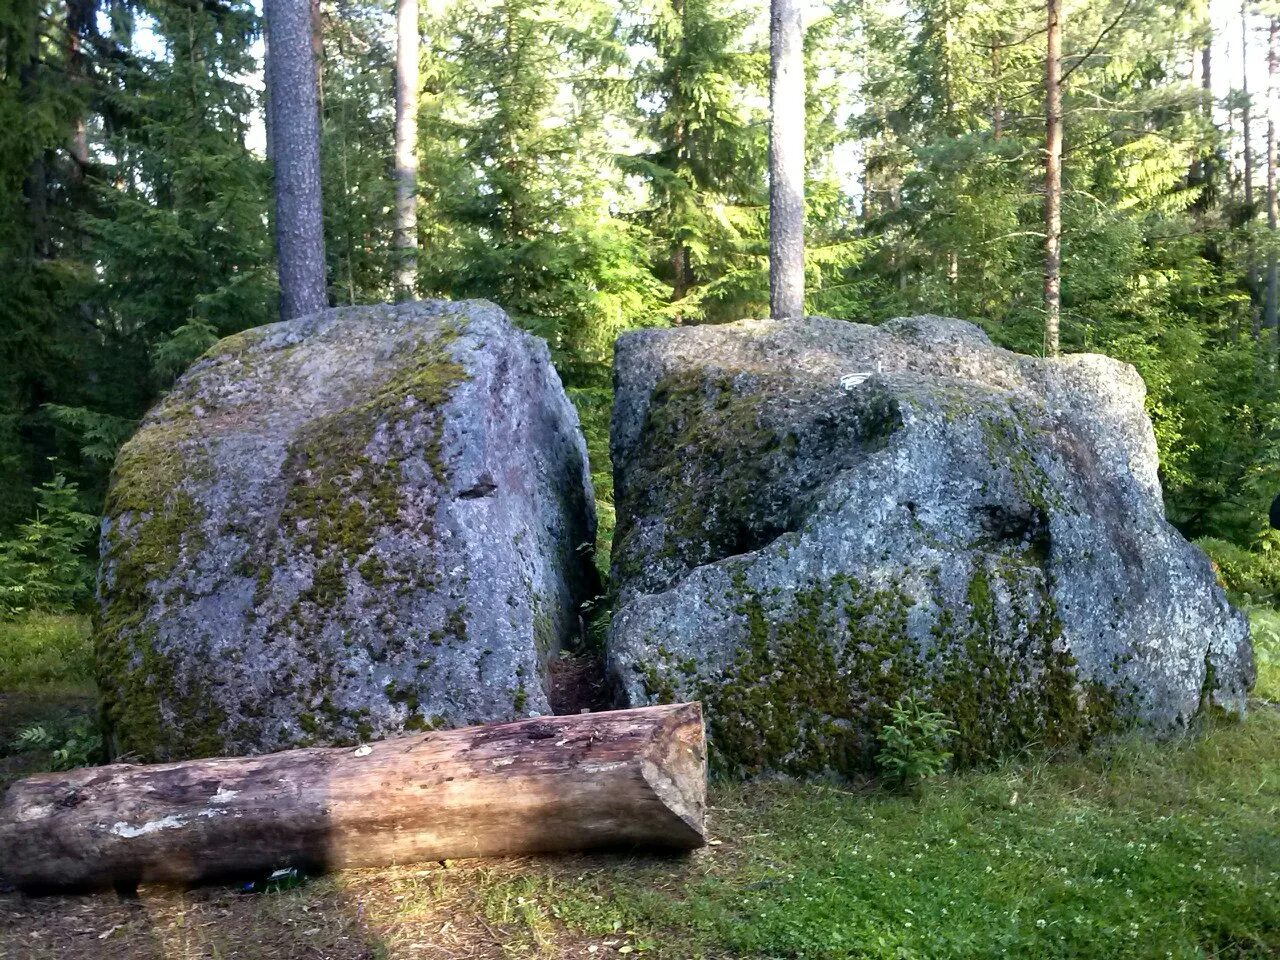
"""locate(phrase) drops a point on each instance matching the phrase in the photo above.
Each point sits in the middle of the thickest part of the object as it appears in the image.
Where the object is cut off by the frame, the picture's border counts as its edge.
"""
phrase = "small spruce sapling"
(914, 744)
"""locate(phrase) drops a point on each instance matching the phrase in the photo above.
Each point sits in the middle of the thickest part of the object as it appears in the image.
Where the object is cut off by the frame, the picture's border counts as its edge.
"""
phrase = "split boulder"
(818, 518)
(341, 527)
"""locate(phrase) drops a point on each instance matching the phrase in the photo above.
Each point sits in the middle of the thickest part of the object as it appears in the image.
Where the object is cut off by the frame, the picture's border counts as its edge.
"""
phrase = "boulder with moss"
(339, 527)
(818, 518)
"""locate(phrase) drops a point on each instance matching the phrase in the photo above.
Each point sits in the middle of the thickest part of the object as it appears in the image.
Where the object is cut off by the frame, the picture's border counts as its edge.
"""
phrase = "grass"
(1264, 626)
(46, 652)
(1139, 849)
(46, 680)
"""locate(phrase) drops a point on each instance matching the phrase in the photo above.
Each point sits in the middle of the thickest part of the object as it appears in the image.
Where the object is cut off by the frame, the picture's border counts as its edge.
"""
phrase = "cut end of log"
(676, 770)
(626, 779)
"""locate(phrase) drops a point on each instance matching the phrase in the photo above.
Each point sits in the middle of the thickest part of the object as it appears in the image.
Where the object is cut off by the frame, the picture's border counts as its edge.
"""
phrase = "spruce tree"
(705, 170)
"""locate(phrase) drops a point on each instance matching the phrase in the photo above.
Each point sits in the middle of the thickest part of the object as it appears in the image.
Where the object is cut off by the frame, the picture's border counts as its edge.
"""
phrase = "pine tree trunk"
(1196, 172)
(406, 148)
(78, 20)
(1269, 318)
(786, 160)
(295, 153)
(1052, 176)
(1206, 76)
(997, 103)
(1246, 123)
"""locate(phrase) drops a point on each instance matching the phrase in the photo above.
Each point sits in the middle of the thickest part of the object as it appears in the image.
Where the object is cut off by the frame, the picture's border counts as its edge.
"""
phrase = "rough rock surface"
(817, 518)
(338, 527)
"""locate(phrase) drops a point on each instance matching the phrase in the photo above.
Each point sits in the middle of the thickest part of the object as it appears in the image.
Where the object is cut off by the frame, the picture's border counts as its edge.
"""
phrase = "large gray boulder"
(816, 518)
(340, 527)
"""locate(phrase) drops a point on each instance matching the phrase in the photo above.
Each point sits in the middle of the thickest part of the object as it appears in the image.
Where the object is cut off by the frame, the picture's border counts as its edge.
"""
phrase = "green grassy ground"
(1264, 626)
(1137, 850)
(46, 681)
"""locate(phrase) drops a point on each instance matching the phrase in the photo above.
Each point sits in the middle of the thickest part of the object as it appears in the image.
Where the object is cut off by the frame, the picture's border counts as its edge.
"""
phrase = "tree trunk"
(1246, 122)
(1196, 172)
(406, 148)
(1269, 319)
(1246, 119)
(679, 278)
(997, 103)
(1052, 176)
(1206, 75)
(786, 160)
(79, 20)
(630, 778)
(295, 154)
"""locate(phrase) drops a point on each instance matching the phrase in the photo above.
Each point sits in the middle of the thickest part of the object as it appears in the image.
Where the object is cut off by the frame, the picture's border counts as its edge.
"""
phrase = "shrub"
(45, 566)
(42, 650)
(1250, 576)
(914, 744)
(1264, 630)
(77, 745)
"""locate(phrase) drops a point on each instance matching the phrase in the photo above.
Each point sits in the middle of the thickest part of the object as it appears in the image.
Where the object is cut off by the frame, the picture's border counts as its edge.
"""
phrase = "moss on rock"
(815, 674)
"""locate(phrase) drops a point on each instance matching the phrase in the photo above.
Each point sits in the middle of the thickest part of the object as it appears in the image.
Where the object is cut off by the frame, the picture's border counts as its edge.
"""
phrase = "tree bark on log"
(622, 779)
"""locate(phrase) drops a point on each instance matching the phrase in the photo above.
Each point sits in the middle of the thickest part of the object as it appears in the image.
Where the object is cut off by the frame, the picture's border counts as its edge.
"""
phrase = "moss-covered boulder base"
(816, 518)
(341, 527)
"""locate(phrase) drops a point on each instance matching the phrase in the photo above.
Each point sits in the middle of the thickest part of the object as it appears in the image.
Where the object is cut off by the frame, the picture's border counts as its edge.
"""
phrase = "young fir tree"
(357, 141)
(524, 199)
(704, 172)
(40, 241)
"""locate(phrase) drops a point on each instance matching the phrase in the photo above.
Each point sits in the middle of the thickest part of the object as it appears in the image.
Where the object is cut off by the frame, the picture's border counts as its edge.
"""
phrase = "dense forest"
(596, 165)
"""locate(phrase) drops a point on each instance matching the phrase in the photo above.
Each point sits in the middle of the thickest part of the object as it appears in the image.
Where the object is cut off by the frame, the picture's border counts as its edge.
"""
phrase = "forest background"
(598, 165)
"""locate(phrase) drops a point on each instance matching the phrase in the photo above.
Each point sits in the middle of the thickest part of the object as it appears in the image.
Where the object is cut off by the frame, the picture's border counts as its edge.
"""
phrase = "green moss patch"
(815, 675)
(725, 462)
(342, 476)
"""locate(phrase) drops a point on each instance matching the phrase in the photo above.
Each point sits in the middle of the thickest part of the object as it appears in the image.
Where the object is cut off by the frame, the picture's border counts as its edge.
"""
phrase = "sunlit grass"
(1264, 627)
(42, 650)
(1140, 850)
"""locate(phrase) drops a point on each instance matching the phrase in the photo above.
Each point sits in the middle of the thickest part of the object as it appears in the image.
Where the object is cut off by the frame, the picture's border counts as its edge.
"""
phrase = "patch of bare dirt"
(577, 683)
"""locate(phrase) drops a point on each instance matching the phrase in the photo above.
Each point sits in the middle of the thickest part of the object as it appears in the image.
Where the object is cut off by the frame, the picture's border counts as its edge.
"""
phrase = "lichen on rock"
(818, 518)
(341, 527)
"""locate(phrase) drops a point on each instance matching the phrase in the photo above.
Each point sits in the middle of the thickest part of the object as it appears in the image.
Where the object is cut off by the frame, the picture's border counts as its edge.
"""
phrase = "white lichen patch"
(128, 831)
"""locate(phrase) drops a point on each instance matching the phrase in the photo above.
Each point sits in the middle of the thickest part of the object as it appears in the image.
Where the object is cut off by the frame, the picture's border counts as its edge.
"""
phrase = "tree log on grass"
(624, 779)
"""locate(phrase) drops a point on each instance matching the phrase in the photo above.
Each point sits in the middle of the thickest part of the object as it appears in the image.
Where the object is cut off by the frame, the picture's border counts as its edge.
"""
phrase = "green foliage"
(43, 651)
(595, 406)
(913, 744)
(1264, 631)
(79, 744)
(698, 88)
(597, 165)
(122, 265)
(356, 144)
(1251, 576)
(44, 567)
(518, 177)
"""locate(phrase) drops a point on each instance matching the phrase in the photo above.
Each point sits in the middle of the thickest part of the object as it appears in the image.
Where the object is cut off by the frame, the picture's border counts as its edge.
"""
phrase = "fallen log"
(623, 779)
